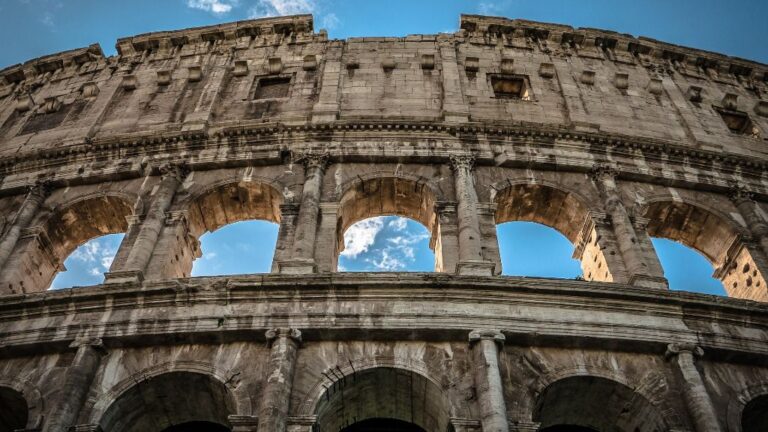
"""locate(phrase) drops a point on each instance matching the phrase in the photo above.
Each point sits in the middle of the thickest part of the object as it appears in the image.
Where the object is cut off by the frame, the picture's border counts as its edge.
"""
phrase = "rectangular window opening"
(510, 87)
(737, 122)
(272, 88)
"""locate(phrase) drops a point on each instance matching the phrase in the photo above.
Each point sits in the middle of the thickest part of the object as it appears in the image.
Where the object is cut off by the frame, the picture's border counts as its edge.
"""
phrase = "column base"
(455, 117)
(475, 268)
(301, 423)
(297, 266)
(124, 276)
(647, 281)
(325, 116)
(243, 423)
(523, 426)
(466, 425)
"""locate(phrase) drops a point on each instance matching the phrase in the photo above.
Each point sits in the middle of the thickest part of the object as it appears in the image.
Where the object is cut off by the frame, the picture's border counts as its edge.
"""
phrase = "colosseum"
(607, 138)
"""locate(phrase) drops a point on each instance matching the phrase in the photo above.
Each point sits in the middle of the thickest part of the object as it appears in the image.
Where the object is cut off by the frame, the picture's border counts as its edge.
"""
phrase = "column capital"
(86, 428)
(740, 194)
(675, 349)
(462, 161)
(40, 189)
(179, 170)
(640, 222)
(493, 335)
(96, 343)
(445, 207)
(312, 160)
(603, 171)
(289, 208)
(277, 333)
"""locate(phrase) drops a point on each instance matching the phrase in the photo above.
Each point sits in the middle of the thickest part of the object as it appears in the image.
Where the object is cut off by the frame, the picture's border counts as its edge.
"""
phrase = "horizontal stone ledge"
(233, 289)
(534, 334)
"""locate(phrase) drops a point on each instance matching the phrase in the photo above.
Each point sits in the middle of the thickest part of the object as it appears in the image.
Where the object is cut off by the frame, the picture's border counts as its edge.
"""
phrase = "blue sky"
(32, 28)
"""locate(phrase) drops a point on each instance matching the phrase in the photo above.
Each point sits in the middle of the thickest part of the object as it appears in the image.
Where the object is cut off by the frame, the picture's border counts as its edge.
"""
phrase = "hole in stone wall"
(386, 243)
(510, 87)
(738, 122)
(686, 269)
(13, 410)
(88, 263)
(197, 426)
(754, 418)
(239, 248)
(533, 249)
(272, 88)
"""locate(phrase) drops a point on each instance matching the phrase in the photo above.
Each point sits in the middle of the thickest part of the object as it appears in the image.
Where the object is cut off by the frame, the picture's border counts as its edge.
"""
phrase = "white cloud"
(361, 236)
(398, 224)
(89, 252)
(106, 261)
(388, 262)
(270, 8)
(94, 271)
(217, 7)
(330, 21)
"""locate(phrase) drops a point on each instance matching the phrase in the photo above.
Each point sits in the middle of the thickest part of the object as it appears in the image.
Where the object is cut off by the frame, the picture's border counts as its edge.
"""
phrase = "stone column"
(490, 390)
(276, 396)
(151, 226)
(285, 234)
(35, 197)
(303, 260)
(636, 266)
(744, 202)
(445, 238)
(77, 383)
(470, 253)
(700, 408)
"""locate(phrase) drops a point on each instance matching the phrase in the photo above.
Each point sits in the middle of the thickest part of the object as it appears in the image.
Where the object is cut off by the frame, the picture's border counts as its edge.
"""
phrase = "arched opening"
(716, 239)
(233, 229)
(88, 263)
(382, 425)
(588, 403)
(367, 201)
(238, 248)
(174, 401)
(42, 255)
(547, 252)
(386, 243)
(686, 269)
(13, 410)
(754, 418)
(375, 399)
(562, 212)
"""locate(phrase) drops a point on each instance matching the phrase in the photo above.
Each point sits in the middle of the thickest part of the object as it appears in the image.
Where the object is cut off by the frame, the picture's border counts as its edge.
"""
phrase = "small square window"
(510, 87)
(738, 122)
(272, 88)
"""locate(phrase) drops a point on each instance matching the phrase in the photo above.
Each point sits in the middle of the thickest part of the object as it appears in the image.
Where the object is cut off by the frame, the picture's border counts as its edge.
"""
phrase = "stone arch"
(41, 251)
(230, 200)
(568, 211)
(21, 392)
(382, 391)
(652, 387)
(598, 400)
(715, 235)
(389, 195)
(737, 405)
(238, 401)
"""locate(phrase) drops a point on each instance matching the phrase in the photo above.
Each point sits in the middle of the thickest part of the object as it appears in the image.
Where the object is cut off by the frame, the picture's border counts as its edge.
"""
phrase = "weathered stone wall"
(607, 138)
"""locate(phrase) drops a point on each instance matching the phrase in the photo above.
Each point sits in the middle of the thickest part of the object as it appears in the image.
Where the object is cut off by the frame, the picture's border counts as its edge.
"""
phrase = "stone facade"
(607, 138)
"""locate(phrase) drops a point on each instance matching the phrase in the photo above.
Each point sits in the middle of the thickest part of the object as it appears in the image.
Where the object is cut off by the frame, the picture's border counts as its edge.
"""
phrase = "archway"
(567, 214)
(87, 264)
(386, 243)
(715, 237)
(390, 196)
(589, 403)
(245, 215)
(171, 402)
(754, 418)
(375, 399)
(38, 258)
(13, 410)
(685, 268)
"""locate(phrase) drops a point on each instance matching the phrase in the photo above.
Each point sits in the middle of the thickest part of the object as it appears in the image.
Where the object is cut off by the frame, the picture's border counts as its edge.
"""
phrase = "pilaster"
(36, 195)
(273, 414)
(471, 260)
(485, 346)
(697, 400)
